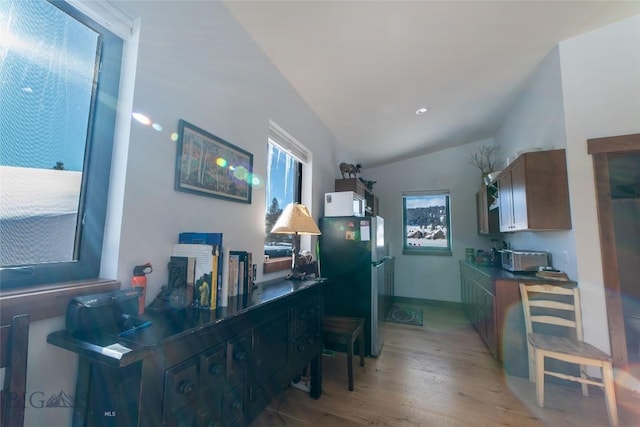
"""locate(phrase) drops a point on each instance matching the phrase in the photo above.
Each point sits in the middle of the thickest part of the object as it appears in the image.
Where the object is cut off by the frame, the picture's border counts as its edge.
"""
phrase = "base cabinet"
(495, 310)
(491, 300)
(479, 305)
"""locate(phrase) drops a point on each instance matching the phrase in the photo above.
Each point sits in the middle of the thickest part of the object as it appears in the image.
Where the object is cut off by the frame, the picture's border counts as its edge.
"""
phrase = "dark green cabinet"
(479, 305)
(491, 300)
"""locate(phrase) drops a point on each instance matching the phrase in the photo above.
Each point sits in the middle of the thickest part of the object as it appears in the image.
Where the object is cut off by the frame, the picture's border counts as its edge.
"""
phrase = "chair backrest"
(547, 304)
(14, 343)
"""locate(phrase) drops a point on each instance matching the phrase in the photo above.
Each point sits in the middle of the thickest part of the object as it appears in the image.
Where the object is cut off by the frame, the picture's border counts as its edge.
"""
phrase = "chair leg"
(532, 363)
(583, 374)
(610, 394)
(539, 378)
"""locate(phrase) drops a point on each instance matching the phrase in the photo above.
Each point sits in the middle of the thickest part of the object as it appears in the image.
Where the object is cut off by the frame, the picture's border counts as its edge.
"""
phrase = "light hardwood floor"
(439, 374)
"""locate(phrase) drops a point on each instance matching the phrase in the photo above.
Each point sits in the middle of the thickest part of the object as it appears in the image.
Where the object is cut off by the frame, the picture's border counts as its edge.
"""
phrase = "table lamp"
(295, 219)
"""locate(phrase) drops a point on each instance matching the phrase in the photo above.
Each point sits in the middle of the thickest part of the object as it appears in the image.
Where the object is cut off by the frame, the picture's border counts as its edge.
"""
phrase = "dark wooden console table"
(200, 368)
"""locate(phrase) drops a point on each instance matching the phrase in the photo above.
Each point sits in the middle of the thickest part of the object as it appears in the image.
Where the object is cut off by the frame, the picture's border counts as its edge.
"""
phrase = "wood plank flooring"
(439, 374)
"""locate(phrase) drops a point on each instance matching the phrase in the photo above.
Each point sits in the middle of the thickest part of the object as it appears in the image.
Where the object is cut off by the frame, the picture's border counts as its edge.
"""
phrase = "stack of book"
(214, 273)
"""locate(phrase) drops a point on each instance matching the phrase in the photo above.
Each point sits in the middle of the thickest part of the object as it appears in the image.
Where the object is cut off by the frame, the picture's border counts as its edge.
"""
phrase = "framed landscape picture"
(210, 166)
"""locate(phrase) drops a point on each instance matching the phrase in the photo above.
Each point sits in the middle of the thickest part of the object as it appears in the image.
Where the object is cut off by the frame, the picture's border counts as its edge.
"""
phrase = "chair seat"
(567, 346)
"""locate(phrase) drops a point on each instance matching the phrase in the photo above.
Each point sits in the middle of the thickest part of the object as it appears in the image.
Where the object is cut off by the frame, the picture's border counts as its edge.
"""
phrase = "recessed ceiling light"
(422, 110)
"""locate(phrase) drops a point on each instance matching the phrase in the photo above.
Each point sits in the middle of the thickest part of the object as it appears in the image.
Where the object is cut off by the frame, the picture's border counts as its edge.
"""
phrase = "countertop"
(497, 273)
(106, 346)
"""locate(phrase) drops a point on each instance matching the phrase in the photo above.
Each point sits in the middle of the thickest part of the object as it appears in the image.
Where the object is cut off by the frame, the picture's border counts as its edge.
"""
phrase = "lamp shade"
(295, 219)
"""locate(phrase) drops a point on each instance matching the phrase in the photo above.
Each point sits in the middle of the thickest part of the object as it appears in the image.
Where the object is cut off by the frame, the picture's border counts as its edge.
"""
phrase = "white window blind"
(107, 15)
(288, 143)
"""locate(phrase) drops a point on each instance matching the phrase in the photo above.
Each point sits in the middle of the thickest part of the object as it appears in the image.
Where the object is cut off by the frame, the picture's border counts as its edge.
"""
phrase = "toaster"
(514, 261)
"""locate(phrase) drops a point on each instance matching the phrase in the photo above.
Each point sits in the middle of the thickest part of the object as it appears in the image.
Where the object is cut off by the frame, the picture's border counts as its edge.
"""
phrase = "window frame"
(96, 172)
(296, 199)
(427, 250)
(287, 143)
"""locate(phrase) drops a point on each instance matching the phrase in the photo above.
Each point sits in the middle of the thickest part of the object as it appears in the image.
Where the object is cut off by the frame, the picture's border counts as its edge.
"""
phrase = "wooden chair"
(345, 331)
(560, 306)
(13, 358)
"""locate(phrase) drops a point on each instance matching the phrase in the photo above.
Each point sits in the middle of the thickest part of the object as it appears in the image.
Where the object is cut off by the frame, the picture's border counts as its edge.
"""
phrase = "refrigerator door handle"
(381, 261)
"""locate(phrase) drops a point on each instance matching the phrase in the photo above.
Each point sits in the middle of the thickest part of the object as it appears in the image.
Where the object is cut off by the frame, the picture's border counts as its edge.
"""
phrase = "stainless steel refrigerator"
(353, 257)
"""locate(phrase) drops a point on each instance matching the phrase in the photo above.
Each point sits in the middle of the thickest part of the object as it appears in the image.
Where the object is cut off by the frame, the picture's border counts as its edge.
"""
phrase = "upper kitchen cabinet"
(534, 193)
(486, 200)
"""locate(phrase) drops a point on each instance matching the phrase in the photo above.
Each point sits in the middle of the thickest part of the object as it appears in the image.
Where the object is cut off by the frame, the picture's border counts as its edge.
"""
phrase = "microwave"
(513, 260)
(344, 203)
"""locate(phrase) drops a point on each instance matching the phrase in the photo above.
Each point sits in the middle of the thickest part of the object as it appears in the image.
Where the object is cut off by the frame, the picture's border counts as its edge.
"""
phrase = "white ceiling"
(365, 67)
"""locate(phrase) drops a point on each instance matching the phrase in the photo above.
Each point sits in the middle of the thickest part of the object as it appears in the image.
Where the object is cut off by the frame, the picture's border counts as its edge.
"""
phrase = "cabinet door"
(269, 355)
(465, 291)
(519, 196)
(491, 336)
(505, 202)
(237, 354)
(483, 209)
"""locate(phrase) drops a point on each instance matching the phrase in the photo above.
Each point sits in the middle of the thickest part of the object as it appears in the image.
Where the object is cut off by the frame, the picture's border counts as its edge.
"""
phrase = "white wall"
(536, 120)
(601, 89)
(428, 276)
(194, 63)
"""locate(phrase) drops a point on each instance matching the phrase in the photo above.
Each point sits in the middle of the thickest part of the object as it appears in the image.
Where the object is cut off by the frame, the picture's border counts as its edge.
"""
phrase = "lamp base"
(296, 275)
(303, 271)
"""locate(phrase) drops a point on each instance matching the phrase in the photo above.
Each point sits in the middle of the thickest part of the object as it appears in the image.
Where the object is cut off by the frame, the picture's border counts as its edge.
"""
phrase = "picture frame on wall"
(210, 166)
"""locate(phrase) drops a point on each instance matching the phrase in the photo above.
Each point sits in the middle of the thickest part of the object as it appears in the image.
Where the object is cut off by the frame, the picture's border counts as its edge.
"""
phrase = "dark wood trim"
(276, 264)
(609, 258)
(601, 149)
(43, 302)
(614, 144)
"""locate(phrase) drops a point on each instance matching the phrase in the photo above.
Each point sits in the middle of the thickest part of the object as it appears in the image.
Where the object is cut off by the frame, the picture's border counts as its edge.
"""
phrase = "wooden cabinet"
(493, 306)
(478, 302)
(355, 185)
(491, 300)
(488, 216)
(534, 193)
(201, 368)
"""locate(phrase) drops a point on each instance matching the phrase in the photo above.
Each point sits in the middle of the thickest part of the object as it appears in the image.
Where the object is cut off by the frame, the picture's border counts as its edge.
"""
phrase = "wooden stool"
(345, 331)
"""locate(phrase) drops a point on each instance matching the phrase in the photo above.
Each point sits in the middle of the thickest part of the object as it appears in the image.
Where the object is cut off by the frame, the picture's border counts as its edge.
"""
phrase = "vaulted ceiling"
(365, 67)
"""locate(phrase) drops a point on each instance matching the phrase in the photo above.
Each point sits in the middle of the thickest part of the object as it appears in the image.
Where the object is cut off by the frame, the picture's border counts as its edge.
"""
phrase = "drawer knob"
(185, 387)
(216, 369)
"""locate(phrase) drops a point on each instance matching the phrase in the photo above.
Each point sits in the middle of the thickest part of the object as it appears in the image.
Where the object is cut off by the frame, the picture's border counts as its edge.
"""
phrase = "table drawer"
(213, 367)
(181, 386)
